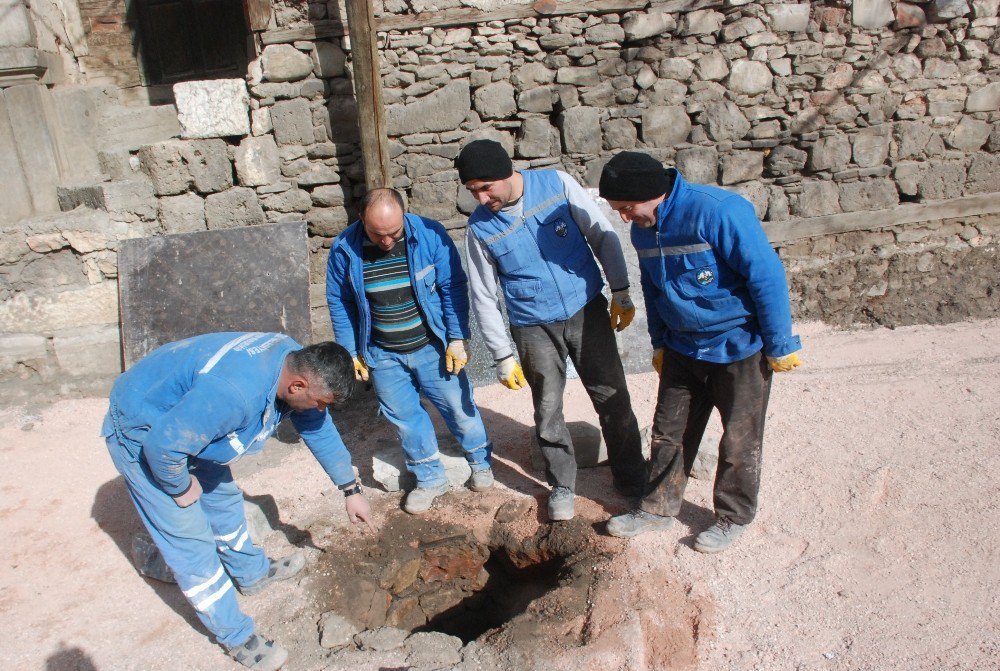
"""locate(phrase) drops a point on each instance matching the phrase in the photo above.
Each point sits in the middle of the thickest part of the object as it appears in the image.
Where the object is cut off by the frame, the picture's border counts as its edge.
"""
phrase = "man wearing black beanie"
(535, 235)
(720, 323)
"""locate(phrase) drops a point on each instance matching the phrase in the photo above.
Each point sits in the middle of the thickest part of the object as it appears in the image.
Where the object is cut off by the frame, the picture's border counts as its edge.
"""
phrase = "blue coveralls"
(188, 410)
(716, 296)
(439, 288)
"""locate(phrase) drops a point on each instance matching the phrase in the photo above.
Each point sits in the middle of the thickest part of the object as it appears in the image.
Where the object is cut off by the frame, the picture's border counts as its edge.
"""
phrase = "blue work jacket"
(213, 397)
(440, 286)
(714, 288)
(545, 267)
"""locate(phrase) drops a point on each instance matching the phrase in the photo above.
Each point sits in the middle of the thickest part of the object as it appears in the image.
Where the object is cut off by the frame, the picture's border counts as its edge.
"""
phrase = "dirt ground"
(875, 546)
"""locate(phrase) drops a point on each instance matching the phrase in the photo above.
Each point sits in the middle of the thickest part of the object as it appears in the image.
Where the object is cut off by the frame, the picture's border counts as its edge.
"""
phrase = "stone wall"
(808, 110)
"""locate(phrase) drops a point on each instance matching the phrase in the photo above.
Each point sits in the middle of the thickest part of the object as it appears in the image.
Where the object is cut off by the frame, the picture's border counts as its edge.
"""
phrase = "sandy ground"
(875, 547)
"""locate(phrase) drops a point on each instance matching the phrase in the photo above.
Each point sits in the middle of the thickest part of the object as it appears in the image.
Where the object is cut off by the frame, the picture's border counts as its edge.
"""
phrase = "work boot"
(718, 537)
(481, 480)
(259, 654)
(279, 569)
(637, 522)
(419, 500)
(561, 504)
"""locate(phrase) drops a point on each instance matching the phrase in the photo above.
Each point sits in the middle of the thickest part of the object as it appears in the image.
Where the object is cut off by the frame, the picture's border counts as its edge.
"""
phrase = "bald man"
(399, 304)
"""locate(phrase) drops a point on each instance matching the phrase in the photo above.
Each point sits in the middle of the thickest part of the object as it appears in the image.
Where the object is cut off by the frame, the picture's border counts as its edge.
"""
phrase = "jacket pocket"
(513, 253)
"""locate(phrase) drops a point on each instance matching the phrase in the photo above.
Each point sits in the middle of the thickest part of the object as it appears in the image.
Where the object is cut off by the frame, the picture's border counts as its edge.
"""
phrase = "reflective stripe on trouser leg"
(396, 388)
(452, 396)
(184, 538)
(222, 502)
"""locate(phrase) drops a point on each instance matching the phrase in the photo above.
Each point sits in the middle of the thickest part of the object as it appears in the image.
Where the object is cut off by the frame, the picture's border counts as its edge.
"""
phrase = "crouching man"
(720, 323)
(180, 416)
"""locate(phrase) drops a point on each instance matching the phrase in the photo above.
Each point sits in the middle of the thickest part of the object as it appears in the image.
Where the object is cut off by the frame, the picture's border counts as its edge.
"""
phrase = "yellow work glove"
(455, 357)
(360, 369)
(510, 374)
(783, 364)
(622, 310)
(658, 360)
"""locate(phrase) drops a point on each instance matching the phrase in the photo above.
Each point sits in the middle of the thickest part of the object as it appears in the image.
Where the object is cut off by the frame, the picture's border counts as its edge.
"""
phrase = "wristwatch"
(351, 491)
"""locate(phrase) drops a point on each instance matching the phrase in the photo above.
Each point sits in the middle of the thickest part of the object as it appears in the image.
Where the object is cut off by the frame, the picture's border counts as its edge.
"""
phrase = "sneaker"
(561, 504)
(481, 480)
(279, 569)
(259, 654)
(419, 500)
(637, 522)
(718, 537)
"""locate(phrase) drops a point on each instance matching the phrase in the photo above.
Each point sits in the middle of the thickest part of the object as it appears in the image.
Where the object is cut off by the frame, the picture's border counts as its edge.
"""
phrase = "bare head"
(381, 212)
(316, 376)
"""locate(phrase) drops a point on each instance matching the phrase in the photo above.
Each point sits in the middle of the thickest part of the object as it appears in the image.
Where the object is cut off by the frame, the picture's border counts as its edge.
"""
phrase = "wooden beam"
(368, 92)
(957, 208)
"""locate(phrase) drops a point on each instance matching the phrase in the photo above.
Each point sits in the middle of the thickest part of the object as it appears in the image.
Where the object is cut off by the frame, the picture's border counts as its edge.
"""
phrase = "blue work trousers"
(398, 379)
(207, 545)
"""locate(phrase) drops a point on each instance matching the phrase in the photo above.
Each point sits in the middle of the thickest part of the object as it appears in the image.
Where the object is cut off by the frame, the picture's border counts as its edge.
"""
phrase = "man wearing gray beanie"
(720, 323)
(535, 234)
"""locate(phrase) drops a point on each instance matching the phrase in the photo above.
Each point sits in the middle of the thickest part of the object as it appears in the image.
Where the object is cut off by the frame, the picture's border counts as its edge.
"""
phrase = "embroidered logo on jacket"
(561, 229)
(705, 277)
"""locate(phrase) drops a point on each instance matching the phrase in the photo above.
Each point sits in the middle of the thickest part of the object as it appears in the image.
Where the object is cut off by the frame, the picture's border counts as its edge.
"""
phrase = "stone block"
(790, 18)
(872, 14)
(948, 9)
(92, 351)
(701, 22)
(16, 204)
(818, 198)
(741, 166)
(665, 126)
(868, 195)
(442, 110)
(328, 196)
(327, 222)
(680, 69)
(129, 200)
(534, 139)
(870, 147)
(16, 26)
(786, 160)
(555, 41)
(233, 208)
(209, 165)
(911, 138)
(495, 101)
(258, 524)
(257, 161)
(755, 192)
(640, 25)
(619, 134)
(164, 163)
(19, 350)
(435, 200)
(724, 121)
(536, 100)
(604, 32)
(907, 176)
(336, 631)
(749, 77)
(830, 153)
(969, 135)
(532, 75)
(909, 16)
(285, 63)
(182, 214)
(744, 27)
(213, 108)
(985, 99)
(130, 128)
(984, 174)
(317, 175)
(578, 76)
(328, 60)
(581, 130)
(48, 310)
(942, 180)
(23, 112)
(293, 122)
(712, 67)
(291, 200)
(698, 165)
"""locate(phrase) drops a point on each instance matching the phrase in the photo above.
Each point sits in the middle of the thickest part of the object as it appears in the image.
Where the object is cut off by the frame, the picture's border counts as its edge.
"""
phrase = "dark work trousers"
(688, 391)
(590, 343)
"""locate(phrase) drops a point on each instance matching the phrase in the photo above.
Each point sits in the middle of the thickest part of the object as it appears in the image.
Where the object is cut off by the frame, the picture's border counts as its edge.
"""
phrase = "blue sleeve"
(743, 245)
(324, 441)
(654, 324)
(452, 283)
(209, 410)
(340, 302)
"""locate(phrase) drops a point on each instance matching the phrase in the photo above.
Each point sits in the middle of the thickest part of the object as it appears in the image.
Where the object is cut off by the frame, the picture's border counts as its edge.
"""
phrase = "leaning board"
(172, 287)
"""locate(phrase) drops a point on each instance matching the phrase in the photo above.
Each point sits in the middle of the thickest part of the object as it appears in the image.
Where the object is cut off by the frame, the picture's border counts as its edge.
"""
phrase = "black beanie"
(633, 176)
(483, 159)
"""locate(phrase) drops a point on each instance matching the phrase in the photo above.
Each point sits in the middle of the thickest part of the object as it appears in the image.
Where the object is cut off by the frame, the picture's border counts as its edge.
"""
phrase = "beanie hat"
(633, 176)
(483, 159)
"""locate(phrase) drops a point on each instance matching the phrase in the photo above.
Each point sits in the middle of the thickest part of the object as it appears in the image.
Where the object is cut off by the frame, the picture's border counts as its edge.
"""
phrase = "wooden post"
(368, 92)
